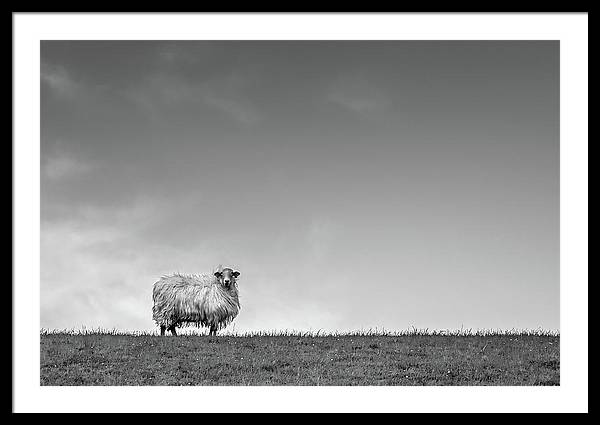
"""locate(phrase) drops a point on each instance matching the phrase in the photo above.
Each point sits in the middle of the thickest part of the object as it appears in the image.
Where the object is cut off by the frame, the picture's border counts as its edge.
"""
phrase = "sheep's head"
(227, 276)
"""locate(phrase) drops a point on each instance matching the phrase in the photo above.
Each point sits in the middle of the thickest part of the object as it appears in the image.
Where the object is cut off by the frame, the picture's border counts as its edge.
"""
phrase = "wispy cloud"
(177, 54)
(60, 166)
(225, 94)
(58, 80)
(358, 94)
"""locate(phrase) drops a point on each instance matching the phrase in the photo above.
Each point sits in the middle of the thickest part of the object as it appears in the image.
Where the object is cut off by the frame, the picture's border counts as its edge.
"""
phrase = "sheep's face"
(227, 277)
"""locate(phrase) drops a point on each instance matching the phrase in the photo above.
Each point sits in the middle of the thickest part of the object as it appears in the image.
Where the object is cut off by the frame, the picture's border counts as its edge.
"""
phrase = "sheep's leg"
(162, 330)
(213, 330)
(173, 331)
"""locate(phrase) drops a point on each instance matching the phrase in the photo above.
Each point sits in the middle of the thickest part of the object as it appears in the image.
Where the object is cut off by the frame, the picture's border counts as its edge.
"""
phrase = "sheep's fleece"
(200, 300)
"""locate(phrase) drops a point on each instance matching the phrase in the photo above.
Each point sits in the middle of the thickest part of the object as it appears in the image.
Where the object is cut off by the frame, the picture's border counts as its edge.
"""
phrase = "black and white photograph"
(300, 213)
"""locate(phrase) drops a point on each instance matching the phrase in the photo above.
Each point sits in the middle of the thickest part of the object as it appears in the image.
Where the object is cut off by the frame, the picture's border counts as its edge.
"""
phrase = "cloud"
(58, 80)
(237, 108)
(63, 84)
(98, 267)
(60, 161)
(57, 167)
(225, 94)
(92, 277)
(99, 263)
(358, 94)
(177, 54)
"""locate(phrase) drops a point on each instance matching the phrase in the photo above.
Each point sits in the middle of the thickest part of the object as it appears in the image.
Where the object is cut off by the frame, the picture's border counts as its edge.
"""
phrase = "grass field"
(367, 358)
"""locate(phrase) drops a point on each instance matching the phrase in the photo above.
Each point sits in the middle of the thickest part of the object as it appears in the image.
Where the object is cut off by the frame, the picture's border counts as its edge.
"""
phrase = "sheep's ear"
(236, 274)
(218, 273)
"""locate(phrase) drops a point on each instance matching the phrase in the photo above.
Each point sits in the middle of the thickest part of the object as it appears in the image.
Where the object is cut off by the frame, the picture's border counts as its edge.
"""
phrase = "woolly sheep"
(201, 300)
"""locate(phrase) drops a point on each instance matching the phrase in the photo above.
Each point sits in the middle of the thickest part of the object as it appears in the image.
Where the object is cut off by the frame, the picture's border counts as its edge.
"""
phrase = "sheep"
(201, 300)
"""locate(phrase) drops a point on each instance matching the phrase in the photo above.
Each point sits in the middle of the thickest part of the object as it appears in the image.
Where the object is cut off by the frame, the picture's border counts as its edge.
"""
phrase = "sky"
(354, 184)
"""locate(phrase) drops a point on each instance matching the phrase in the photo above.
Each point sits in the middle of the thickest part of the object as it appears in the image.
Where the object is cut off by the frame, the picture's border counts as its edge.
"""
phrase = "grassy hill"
(411, 358)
